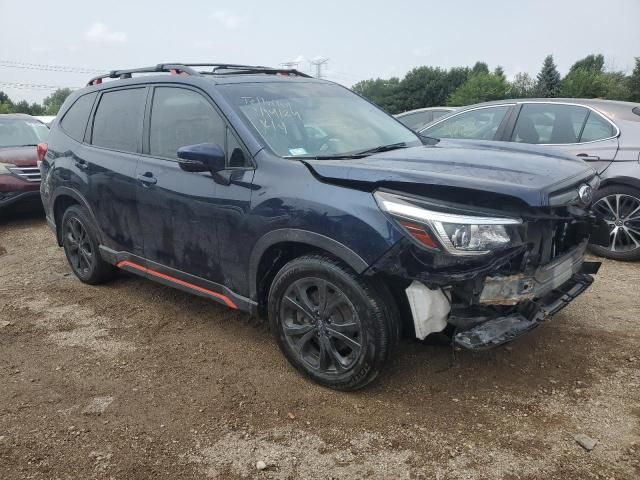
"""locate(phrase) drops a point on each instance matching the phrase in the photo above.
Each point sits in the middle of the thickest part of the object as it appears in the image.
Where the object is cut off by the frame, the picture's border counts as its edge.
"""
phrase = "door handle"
(81, 164)
(147, 179)
(588, 158)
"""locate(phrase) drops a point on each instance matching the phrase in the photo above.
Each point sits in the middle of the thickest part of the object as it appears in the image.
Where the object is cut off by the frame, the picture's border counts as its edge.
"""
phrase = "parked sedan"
(420, 118)
(605, 133)
(19, 174)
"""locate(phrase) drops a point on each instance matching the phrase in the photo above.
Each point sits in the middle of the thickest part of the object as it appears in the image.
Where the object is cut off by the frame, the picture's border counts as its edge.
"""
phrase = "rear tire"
(619, 205)
(80, 244)
(334, 326)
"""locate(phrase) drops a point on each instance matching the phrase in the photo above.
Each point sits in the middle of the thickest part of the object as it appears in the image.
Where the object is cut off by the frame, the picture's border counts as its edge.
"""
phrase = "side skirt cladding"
(177, 279)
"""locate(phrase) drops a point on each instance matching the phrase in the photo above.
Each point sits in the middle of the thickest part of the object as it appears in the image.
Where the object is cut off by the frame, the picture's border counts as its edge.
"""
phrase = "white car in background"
(421, 117)
(46, 119)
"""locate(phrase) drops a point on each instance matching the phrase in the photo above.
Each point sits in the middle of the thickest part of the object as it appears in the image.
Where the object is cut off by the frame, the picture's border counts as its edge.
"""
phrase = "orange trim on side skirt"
(226, 300)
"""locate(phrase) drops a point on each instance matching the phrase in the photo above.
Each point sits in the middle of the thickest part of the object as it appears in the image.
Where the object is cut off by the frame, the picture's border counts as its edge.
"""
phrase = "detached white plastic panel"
(430, 309)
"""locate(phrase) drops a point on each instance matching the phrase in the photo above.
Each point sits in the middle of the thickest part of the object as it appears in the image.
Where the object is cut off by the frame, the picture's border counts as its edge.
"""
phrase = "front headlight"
(459, 234)
(4, 168)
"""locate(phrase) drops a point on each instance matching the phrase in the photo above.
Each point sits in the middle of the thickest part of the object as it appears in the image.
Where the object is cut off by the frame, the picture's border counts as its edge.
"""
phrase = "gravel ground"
(136, 380)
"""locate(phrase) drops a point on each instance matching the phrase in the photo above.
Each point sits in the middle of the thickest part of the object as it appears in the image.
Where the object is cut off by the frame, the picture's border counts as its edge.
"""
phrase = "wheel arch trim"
(79, 198)
(313, 239)
(622, 180)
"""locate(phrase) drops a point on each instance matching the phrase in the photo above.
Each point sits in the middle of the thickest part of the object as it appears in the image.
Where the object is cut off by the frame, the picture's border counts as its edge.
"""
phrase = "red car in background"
(19, 173)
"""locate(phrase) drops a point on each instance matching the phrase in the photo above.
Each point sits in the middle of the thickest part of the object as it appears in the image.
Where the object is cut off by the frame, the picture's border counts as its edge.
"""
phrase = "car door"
(180, 212)
(574, 129)
(108, 163)
(481, 123)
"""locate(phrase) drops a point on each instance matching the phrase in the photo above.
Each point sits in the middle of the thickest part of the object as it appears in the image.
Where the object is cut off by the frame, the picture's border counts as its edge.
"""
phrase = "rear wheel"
(81, 247)
(332, 325)
(619, 206)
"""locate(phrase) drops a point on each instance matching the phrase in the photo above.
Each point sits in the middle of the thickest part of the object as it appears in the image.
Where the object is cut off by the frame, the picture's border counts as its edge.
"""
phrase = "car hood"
(529, 173)
(19, 156)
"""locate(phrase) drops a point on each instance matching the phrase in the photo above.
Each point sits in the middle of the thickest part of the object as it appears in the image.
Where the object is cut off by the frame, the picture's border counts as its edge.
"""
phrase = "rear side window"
(74, 122)
(478, 124)
(596, 128)
(549, 123)
(417, 120)
(181, 117)
(117, 123)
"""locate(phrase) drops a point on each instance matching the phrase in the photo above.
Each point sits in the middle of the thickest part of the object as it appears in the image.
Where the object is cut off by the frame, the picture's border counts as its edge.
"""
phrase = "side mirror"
(203, 157)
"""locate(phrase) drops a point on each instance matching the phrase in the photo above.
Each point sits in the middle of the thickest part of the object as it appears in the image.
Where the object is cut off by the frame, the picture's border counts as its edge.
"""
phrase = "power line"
(48, 68)
(33, 86)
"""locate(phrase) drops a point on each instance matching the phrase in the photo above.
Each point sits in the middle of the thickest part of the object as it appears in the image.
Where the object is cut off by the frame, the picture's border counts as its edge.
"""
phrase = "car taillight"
(42, 151)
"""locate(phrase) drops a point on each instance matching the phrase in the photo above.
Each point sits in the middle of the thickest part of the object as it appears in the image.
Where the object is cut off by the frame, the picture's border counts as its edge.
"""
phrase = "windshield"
(305, 120)
(19, 132)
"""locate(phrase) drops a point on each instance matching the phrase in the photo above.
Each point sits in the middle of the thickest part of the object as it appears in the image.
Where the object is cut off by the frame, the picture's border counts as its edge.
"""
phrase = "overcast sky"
(362, 39)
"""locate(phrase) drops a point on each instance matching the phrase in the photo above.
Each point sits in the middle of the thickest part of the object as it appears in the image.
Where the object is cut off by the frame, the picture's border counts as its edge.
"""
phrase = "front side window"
(18, 132)
(117, 123)
(477, 124)
(181, 117)
(547, 123)
(308, 119)
(75, 120)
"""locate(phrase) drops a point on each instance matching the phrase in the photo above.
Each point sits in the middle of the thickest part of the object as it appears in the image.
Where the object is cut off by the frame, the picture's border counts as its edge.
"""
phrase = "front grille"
(31, 174)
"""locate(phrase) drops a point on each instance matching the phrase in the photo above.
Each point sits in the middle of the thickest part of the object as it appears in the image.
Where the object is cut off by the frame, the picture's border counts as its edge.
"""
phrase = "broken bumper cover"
(503, 329)
(514, 289)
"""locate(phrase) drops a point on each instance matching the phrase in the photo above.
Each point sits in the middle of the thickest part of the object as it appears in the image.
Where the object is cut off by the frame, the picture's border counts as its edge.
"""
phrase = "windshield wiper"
(344, 156)
(338, 156)
(383, 148)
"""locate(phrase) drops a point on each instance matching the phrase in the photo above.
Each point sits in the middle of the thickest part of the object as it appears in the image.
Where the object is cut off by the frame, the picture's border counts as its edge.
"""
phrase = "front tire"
(334, 326)
(80, 244)
(619, 206)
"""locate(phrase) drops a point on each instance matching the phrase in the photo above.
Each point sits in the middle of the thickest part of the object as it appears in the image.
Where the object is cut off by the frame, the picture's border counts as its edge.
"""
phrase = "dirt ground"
(134, 380)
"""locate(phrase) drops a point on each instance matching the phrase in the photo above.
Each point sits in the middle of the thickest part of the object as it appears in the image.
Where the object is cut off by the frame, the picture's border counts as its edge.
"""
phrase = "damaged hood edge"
(524, 173)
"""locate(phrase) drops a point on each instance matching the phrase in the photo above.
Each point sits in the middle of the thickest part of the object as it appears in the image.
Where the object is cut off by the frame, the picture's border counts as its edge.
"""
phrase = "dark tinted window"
(181, 117)
(549, 123)
(596, 128)
(118, 120)
(416, 121)
(75, 120)
(478, 124)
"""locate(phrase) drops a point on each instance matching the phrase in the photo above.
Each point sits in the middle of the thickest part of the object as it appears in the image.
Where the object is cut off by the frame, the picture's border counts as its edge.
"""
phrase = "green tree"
(6, 105)
(22, 107)
(522, 86)
(592, 63)
(584, 83)
(479, 67)
(54, 101)
(428, 87)
(618, 86)
(499, 71)
(548, 81)
(634, 83)
(383, 93)
(481, 87)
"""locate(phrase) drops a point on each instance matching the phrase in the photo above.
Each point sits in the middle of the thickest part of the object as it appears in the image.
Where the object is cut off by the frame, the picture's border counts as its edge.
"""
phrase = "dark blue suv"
(293, 198)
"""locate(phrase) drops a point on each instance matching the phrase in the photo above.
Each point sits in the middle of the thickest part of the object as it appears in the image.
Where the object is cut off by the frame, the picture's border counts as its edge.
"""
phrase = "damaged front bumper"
(501, 307)
(502, 329)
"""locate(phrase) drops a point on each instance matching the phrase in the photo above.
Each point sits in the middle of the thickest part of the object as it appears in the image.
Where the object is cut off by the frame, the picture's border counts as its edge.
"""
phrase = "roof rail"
(187, 69)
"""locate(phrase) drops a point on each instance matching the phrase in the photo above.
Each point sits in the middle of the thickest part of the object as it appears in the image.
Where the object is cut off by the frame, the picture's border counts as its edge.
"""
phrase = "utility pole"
(318, 62)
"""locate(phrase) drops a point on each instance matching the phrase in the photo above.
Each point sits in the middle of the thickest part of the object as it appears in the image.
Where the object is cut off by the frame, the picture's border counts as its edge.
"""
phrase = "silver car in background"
(421, 117)
(605, 133)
